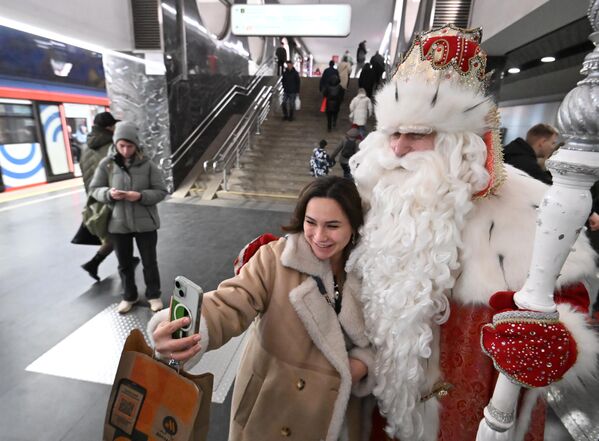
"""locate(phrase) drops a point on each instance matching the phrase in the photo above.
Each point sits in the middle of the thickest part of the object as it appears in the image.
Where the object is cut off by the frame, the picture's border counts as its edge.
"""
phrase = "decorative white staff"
(562, 213)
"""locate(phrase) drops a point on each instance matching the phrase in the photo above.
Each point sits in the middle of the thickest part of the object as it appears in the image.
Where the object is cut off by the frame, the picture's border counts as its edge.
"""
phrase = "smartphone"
(127, 405)
(186, 302)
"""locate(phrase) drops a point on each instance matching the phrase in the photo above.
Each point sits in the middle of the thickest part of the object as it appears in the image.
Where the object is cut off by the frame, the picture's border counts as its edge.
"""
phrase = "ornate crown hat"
(440, 86)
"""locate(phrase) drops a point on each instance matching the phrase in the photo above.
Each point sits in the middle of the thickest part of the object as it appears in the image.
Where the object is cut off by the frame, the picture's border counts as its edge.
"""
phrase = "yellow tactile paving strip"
(15, 195)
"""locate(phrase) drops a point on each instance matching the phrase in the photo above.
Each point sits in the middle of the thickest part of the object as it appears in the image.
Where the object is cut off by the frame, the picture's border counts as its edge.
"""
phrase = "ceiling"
(556, 28)
(368, 22)
(538, 28)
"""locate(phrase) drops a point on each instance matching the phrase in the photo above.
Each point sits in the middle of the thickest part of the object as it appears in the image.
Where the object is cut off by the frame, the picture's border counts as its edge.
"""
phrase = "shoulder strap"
(320, 285)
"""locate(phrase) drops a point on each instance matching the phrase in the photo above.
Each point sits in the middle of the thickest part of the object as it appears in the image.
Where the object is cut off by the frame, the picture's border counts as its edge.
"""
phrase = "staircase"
(277, 165)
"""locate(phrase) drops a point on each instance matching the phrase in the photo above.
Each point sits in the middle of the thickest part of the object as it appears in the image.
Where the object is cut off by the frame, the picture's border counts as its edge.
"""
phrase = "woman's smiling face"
(326, 228)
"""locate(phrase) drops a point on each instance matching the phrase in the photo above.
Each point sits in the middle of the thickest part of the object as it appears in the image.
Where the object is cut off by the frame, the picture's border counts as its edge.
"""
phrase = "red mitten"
(250, 249)
(533, 349)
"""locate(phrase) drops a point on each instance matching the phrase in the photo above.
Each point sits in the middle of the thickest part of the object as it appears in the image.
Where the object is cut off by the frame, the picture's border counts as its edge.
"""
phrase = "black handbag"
(84, 237)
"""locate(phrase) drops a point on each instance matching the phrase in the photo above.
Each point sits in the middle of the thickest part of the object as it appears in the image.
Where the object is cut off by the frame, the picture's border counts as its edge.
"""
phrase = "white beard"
(407, 258)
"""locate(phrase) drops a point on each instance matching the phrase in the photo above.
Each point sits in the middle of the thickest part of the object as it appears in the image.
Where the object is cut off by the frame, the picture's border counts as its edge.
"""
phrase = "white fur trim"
(587, 343)
(321, 324)
(159, 317)
(351, 317)
(298, 256)
(522, 424)
(204, 342)
(413, 108)
(498, 241)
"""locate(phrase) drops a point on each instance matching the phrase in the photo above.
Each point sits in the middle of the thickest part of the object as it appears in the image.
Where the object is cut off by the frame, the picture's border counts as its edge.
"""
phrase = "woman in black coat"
(334, 95)
(367, 79)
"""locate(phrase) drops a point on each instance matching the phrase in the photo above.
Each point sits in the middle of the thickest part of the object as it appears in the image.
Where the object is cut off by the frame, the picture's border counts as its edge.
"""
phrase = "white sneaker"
(125, 306)
(155, 304)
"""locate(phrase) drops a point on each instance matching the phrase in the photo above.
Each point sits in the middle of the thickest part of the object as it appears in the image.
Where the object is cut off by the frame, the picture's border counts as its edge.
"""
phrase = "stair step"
(254, 196)
(276, 168)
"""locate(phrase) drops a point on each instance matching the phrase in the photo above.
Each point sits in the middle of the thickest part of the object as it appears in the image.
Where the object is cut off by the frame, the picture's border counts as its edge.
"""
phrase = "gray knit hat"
(126, 130)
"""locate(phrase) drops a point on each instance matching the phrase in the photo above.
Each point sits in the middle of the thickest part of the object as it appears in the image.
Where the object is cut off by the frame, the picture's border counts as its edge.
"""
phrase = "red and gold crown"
(440, 86)
(449, 54)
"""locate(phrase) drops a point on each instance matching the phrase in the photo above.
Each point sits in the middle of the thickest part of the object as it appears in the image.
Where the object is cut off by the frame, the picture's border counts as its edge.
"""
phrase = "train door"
(21, 153)
(59, 161)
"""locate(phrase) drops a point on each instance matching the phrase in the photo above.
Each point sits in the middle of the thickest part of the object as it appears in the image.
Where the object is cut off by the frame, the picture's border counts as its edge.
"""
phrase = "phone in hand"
(186, 302)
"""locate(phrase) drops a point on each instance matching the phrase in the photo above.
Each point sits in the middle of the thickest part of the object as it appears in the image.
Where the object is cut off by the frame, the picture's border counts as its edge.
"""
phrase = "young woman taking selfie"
(307, 359)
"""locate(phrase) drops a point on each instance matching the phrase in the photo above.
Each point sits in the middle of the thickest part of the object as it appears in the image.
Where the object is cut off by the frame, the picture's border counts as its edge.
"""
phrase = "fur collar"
(498, 241)
(297, 255)
(326, 329)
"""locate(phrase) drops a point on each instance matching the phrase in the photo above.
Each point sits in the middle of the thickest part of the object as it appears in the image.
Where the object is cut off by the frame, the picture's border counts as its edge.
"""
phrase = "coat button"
(300, 384)
(286, 431)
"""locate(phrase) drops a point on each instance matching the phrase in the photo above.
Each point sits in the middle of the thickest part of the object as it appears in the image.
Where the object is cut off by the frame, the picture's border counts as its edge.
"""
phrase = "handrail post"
(225, 184)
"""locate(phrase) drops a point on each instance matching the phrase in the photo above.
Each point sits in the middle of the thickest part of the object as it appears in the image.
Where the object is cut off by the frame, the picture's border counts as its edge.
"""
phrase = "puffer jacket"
(99, 141)
(334, 94)
(143, 176)
(360, 109)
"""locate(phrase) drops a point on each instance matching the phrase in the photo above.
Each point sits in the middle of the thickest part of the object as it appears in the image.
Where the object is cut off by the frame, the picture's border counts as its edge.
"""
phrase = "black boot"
(92, 266)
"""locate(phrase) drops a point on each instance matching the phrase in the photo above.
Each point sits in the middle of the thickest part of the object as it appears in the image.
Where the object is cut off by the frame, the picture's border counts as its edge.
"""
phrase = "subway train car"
(49, 93)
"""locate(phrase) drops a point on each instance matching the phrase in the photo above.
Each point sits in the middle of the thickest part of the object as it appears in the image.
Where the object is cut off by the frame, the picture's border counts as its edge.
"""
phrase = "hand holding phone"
(116, 194)
(186, 302)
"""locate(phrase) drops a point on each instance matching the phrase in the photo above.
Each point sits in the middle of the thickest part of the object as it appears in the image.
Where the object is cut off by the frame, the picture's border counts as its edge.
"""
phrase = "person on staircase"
(344, 70)
(360, 57)
(360, 109)
(99, 141)
(367, 80)
(291, 89)
(320, 161)
(326, 76)
(377, 63)
(281, 55)
(347, 148)
(334, 96)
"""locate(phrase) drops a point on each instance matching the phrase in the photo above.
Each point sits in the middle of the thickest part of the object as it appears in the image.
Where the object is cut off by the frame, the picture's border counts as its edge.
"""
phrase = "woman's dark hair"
(342, 190)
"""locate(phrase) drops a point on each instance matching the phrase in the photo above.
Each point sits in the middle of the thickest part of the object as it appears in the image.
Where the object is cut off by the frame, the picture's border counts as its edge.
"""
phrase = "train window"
(10, 109)
(17, 130)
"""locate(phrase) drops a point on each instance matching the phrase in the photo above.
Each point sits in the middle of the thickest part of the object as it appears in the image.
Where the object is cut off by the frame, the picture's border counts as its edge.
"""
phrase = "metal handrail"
(240, 137)
(236, 90)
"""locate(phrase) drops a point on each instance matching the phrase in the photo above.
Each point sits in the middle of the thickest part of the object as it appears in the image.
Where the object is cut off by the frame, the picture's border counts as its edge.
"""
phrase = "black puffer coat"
(334, 94)
(291, 81)
(99, 141)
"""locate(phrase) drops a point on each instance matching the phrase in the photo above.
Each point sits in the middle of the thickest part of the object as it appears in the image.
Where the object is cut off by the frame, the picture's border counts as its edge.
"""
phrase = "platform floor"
(60, 337)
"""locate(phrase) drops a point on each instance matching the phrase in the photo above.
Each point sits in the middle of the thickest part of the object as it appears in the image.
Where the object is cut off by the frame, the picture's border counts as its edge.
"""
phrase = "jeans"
(362, 130)
(146, 244)
(288, 104)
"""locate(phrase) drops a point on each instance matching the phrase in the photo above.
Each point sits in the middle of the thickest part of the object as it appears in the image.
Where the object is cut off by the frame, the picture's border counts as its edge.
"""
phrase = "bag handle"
(137, 343)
